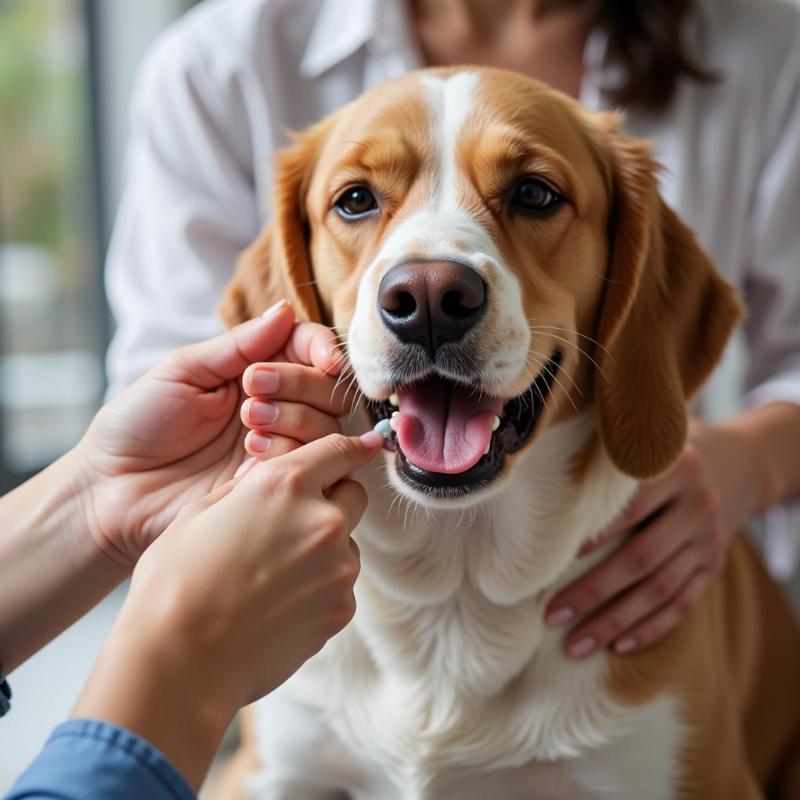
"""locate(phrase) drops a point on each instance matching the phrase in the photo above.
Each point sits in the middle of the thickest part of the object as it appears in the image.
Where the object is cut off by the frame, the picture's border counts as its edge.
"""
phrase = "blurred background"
(66, 72)
(66, 68)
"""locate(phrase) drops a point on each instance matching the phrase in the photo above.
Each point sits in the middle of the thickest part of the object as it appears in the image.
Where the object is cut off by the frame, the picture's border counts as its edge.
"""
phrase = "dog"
(533, 318)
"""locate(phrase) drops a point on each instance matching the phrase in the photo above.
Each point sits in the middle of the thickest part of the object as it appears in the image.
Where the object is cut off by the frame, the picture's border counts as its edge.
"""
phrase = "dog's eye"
(531, 194)
(355, 202)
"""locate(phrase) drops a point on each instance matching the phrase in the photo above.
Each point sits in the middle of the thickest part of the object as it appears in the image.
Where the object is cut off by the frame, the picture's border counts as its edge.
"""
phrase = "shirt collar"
(337, 35)
(379, 23)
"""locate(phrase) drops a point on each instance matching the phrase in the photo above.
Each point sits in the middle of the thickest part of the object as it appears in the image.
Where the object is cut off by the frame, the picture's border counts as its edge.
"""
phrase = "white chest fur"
(447, 680)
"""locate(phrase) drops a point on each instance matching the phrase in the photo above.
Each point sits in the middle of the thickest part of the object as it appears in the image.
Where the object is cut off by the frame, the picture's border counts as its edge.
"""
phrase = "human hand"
(674, 538)
(237, 593)
(175, 434)
(290, 404)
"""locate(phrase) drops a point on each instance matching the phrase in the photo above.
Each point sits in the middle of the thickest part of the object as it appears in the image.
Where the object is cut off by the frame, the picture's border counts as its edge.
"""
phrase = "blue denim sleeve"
(87, 759)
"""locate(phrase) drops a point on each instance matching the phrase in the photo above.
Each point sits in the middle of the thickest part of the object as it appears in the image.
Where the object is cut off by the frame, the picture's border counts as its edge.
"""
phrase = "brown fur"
(734, 663)
(665, 319)
(617, 267)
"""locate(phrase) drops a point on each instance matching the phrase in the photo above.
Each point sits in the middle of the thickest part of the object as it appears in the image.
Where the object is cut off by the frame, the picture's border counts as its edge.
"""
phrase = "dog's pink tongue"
(444, 428)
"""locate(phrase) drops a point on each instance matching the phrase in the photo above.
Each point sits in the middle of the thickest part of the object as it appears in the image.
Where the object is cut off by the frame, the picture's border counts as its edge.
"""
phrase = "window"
(52, 316)
(66, 70)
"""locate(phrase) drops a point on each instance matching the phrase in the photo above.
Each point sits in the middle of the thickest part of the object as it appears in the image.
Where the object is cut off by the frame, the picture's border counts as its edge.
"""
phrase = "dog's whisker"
(563, 389)
(553, 375)
(342, 377)
(359, 396)
(539, 367)
(545, 328)
(534, 360)
(569, 377)
(395, 499)
(583, 353)
(406, 512)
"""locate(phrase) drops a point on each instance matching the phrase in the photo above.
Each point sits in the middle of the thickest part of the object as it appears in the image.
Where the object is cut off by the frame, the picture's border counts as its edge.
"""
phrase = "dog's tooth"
(394, 399)
(495, 423)
(392, 422)
(394, 414)
(488, 447)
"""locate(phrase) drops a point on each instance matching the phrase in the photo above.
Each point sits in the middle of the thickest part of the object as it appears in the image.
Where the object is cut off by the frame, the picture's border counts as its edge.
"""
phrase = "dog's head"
(498, 259)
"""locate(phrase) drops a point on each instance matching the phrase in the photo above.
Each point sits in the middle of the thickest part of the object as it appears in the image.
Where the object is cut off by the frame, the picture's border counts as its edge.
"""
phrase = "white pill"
(384, 428)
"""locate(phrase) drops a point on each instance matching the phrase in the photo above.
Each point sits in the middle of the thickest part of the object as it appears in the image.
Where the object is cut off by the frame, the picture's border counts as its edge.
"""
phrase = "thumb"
(326, 461)
(210, 363)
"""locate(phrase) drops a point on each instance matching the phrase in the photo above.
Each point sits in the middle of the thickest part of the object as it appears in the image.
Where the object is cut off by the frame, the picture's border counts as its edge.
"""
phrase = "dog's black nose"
(431, 303)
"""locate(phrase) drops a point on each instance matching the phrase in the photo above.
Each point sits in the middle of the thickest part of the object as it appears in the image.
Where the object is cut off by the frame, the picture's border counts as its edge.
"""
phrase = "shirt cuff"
(88, 759)
(785, 389)
(782, 541)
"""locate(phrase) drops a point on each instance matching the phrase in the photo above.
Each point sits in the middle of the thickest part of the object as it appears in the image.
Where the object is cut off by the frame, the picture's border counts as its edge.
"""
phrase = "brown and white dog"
(511, 284)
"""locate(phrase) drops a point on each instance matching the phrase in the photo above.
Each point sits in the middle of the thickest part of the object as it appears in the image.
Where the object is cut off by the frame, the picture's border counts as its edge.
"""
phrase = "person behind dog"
(715, 84)
(253, 572)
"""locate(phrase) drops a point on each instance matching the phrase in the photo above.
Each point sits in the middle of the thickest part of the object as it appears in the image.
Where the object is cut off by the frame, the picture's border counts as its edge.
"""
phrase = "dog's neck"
(457, 597)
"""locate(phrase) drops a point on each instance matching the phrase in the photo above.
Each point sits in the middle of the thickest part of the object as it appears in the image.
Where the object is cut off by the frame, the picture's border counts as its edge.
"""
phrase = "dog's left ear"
(665, 318)
(278, 265)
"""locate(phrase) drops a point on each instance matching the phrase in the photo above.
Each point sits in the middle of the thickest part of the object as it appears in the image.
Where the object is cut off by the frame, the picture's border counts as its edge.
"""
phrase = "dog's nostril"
(431, 303)
(402, 304)
(455, 305)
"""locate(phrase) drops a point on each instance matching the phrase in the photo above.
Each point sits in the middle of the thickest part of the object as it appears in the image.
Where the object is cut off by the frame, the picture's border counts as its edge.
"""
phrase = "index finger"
(314, 345)
(650, 497)
(329, 459)
(210, 363)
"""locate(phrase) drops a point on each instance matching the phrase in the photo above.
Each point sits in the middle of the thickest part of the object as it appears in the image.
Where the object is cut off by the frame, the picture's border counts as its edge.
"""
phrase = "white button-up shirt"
(219, 91)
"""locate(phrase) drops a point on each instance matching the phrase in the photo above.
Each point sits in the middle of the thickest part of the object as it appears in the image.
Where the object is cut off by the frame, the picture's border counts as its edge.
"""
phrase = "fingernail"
(245, 467)
(582, 647)
(561, 616)
(273, 309)
(263, 413)
(264, 381)
(372, 439)
(333, 360)
(625, 645)
(586, 547)
(259, 443)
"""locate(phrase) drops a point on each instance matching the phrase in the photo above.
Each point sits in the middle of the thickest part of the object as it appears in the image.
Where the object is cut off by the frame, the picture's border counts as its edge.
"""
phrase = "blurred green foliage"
(43, 126)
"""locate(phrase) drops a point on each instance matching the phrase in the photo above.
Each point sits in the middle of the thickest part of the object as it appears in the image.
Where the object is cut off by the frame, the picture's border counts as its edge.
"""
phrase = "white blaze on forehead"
(441, 228)
(451, 102)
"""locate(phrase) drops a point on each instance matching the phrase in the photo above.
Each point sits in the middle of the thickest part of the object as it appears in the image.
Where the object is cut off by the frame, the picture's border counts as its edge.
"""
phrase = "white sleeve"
(772, 282)
(188, 208)
(772, 288)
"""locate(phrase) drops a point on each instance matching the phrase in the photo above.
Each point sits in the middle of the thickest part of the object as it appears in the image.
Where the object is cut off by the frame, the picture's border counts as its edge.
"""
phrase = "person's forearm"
(753, 458)
(774, 431)
(51, 572)
(143, 682)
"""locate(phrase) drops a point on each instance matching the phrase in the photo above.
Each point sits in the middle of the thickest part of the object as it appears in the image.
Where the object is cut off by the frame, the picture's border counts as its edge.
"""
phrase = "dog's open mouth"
(450, 440)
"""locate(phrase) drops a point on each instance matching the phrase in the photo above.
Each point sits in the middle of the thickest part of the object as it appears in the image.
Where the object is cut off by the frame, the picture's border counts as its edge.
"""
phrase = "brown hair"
(645, 38)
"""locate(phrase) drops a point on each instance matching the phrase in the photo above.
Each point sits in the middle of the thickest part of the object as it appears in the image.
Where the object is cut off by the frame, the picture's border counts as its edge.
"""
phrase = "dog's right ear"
(278, 265)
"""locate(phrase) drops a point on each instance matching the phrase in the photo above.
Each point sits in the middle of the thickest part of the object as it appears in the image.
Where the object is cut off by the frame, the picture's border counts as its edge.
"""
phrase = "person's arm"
(69, 535)
(678, 528)
(681, 524)
(94, 760)
(52, 571)
(266, 576)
